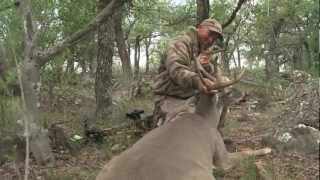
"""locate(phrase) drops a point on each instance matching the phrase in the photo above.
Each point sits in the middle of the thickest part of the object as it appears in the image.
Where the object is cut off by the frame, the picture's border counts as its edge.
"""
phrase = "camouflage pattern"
(174, 82)
(213, 25)
(177, 67)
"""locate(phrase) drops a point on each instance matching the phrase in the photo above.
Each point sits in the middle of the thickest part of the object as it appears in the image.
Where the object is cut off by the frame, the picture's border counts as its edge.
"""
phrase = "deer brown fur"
(185, 149)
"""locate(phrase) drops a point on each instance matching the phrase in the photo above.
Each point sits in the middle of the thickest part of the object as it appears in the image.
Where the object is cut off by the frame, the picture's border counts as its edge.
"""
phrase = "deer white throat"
(210, 108)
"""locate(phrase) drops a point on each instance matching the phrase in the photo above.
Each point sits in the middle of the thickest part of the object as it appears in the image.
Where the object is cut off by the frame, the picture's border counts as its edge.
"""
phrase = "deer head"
(210, 106)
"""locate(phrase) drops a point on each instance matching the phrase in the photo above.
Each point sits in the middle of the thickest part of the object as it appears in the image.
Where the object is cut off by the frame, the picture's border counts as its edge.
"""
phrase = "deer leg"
(225, 160)
(249, 153)
(236, 157)
(222, 119)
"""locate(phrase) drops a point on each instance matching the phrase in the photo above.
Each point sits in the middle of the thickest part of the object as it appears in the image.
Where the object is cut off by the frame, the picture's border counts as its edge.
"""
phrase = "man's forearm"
(183, 77)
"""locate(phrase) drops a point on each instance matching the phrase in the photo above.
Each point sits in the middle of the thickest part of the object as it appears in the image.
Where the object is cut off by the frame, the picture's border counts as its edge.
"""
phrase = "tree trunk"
(92, 68)
(147, 44)
(270, 65)
(30, 84)
(272, 62)
(137, 56)
(226, 57)
(226, 62)
(268, 68)
(121, 43)
(34, 59)
(239, 57)
(129, 50)
(104, 66)
(83, 65)
(70, 65)
(203, 7)
(39, 140)
(234, 60)
(298, 59)
(308, 55)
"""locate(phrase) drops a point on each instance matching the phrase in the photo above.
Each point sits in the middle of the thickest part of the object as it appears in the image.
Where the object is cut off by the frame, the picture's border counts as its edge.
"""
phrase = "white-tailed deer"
(185, 149)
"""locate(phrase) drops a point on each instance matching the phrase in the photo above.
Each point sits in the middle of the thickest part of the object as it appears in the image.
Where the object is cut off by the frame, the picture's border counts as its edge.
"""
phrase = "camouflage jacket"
(177, 67)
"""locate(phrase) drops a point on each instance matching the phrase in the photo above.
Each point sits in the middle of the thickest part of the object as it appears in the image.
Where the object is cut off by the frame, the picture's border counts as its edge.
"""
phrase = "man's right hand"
(203, 86)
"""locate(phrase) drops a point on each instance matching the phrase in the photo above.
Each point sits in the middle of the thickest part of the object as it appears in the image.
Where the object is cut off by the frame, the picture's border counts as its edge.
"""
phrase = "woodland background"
(69, 68)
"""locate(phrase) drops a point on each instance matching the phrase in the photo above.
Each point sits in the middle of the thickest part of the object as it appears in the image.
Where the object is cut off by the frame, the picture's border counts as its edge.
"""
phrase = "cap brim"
(217, 32)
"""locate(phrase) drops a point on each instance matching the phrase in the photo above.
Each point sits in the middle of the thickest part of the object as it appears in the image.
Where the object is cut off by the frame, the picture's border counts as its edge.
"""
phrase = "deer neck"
(210, 108)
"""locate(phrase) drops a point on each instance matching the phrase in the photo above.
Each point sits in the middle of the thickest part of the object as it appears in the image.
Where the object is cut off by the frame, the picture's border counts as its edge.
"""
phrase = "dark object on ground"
(227, 141)
(59, 139)
(140, 119)
(93, 134)
(135, 114)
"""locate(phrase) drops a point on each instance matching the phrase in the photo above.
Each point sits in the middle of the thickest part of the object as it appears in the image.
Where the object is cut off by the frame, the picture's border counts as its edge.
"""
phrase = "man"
(178, 82)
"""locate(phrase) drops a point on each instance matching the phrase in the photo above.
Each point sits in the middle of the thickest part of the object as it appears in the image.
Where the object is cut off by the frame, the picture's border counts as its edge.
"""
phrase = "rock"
(77, 101)
(301, 138)
(115, 147)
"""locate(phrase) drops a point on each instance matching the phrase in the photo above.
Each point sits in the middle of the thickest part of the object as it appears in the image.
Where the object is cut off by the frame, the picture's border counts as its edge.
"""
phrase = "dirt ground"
(247, 124)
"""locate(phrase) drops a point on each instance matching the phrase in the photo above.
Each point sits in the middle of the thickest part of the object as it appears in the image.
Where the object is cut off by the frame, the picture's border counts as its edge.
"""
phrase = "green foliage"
(9, 83)
(159, 19)
(11, 34)
(296, 45)
(10, 112)
(250, 169)
(157, 51)
(221, 10)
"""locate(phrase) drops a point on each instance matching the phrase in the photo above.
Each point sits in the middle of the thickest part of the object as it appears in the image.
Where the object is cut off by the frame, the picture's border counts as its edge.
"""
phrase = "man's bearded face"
(206, 37)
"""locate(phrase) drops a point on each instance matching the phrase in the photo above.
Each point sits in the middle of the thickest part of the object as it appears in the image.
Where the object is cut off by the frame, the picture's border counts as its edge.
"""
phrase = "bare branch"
(44, 56)
(234, 13)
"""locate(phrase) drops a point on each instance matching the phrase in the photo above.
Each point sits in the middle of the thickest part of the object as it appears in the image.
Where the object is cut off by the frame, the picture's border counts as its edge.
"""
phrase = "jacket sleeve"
(178, 63)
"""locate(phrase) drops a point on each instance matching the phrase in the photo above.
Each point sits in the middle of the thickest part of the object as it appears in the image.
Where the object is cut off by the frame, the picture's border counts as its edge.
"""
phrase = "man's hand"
(203, 59)
(203, 86)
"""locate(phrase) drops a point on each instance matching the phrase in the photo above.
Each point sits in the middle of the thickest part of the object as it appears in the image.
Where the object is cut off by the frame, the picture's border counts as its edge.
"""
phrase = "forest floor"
(247, 124)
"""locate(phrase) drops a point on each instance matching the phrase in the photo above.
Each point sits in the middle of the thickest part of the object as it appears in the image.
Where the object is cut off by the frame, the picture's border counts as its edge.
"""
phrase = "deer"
(187, 148)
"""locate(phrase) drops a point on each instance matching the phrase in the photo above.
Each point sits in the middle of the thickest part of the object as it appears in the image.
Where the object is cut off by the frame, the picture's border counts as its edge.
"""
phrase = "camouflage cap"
(213, 25)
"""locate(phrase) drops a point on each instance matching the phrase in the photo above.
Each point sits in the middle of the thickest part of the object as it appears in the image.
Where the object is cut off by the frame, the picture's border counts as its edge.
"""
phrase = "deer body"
(182, 150)
(185, 149)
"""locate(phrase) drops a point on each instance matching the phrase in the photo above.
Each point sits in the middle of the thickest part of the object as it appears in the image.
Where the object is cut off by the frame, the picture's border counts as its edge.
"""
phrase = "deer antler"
(200, 68)
(201, 71)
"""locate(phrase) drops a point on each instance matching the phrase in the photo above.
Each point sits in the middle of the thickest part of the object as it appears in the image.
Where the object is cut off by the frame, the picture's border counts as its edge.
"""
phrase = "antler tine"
(199, 68)
(224, 84)
(218, 85)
